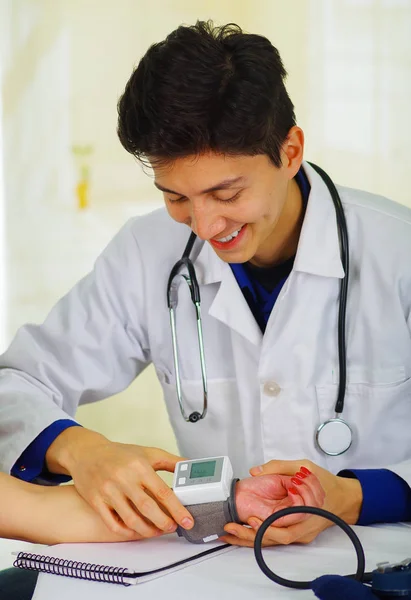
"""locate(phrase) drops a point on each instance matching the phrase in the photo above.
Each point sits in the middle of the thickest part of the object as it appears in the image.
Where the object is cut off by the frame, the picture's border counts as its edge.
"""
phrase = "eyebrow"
(222, 185)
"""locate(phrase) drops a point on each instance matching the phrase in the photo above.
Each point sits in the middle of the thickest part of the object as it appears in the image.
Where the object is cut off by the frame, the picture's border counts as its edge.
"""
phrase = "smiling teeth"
(231, 236)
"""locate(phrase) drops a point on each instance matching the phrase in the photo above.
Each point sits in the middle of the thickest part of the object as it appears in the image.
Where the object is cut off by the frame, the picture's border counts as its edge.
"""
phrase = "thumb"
(278, 467)
(161, 460)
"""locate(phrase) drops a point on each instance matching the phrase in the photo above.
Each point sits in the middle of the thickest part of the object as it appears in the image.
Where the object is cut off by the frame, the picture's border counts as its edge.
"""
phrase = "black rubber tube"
(320, 512)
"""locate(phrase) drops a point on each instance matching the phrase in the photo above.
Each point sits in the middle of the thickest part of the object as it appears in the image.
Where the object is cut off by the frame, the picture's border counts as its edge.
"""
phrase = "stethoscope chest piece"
(334, 437)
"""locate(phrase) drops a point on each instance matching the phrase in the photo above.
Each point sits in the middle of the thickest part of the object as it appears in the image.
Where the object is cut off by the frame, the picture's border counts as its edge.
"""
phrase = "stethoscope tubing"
(312, 510)
(342, 310)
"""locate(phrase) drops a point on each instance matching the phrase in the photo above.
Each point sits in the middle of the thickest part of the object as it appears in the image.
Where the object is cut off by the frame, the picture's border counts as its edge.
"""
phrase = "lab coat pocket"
(379, 414)
(220, 432)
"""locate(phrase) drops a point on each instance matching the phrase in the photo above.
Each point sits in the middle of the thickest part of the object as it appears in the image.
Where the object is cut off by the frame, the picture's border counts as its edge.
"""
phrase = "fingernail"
(256, 470)
(171, 527)
(300, 475)
(254, 524)
(187, 523)
(230, 531)
(305, 470)
(292, 490)
(296, 481)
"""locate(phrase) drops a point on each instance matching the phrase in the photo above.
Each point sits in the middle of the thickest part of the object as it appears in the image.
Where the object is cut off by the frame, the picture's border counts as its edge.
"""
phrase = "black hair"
(206, 88)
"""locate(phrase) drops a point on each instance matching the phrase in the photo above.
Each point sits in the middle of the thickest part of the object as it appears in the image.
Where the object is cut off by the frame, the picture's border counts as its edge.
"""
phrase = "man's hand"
(120, 482)
(342, 497)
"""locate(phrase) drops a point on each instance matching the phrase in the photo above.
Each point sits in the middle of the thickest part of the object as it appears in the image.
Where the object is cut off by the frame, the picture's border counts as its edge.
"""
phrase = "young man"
(208, 110)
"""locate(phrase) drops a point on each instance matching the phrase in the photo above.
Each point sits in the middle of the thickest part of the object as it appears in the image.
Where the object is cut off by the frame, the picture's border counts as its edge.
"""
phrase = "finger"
(276, 535)
(132, 516)
(294, 499)
(313, 484)
(272, 486)
(148, 508)
(160, 460)
(281, 467)
(245, 536)
(317, 488)
(303, 532)
(150, 492)
(237, 530)
(112, 520)
(235, 541)
(167, 498)
(239, 535)
(304, 491)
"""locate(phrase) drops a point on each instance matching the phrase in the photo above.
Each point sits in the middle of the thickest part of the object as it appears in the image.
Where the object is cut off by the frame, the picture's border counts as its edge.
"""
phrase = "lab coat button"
(271, 388)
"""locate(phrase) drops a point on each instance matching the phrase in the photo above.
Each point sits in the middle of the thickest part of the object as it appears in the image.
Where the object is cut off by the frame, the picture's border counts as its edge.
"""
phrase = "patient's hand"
(262, 496)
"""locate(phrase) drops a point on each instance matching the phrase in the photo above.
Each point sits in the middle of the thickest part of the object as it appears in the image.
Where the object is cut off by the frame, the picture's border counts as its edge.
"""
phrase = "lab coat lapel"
(229, 305)
(318, 249)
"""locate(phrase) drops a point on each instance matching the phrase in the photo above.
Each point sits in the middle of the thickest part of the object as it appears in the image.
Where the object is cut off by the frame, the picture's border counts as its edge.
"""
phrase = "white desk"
(235, 575)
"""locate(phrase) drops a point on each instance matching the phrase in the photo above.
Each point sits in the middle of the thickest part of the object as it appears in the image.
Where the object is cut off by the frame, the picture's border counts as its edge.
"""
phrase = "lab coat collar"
(229, 305)
(209, 267)
(318, 250)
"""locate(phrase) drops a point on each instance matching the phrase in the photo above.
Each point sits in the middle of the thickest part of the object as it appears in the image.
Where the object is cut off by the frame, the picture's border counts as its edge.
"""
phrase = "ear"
(292, 151)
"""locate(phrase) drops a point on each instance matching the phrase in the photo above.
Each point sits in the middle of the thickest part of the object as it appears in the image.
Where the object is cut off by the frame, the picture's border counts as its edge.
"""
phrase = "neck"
(283, 242)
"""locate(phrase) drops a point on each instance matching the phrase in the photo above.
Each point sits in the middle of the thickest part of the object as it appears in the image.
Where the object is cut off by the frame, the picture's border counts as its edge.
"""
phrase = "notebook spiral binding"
(70, 568)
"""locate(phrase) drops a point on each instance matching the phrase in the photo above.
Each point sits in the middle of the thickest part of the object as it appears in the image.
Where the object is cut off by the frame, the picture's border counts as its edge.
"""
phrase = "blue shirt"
(386, 496)
(31, 466)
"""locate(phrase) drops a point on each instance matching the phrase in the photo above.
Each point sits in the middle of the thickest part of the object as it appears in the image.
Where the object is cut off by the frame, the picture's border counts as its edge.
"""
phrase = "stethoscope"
(334, 436)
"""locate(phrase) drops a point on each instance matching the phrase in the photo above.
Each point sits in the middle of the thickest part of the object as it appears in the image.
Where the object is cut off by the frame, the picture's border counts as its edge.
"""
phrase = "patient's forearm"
(18, 518)
(48, 515)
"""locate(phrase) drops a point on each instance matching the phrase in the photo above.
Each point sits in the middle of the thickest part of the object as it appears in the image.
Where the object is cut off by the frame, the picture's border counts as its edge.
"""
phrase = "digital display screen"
(203, 469)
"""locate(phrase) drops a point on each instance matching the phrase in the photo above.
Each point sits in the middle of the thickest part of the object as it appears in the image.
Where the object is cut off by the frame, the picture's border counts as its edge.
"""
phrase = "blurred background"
(67, 186)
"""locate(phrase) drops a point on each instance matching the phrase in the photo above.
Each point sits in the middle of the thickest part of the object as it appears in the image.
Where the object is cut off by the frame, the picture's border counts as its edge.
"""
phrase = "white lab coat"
(267, 393)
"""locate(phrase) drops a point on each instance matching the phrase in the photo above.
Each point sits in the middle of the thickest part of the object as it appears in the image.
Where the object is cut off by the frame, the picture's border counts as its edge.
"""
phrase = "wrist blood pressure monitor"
(203, 480)
(207, 488)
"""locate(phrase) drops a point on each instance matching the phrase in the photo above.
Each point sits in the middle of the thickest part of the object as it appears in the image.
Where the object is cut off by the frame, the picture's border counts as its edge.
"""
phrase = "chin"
(235, 257)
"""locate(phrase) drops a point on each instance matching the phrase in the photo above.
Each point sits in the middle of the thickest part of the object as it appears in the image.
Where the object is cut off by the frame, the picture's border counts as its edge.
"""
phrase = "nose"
(205, 223)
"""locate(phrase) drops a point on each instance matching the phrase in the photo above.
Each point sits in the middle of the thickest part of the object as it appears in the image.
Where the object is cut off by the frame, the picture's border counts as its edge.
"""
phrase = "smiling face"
(244, 206)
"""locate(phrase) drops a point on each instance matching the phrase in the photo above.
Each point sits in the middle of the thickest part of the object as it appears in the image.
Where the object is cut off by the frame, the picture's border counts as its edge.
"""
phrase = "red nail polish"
(296, 481)
(305, 471)
(300, 475)
(292, 490)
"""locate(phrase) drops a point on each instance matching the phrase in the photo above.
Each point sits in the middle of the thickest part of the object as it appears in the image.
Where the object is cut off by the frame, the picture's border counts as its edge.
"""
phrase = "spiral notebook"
(125, 563)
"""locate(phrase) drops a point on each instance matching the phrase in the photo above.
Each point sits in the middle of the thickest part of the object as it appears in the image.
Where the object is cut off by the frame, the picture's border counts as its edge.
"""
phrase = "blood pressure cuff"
(210, 518)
